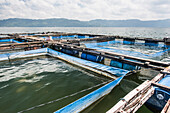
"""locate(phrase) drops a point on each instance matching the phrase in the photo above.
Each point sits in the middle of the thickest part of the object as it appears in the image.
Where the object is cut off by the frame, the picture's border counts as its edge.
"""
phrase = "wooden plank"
(133, 100)
(35, 38)
(166, 88)
(25, 46)
(160, 76)
(24, 43)
(139, 59)
(137, 97)
(166, 109)
(3, 38)
(141, 99)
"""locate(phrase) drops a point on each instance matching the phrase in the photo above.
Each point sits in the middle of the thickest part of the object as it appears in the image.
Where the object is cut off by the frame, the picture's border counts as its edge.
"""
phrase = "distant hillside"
(61, 22)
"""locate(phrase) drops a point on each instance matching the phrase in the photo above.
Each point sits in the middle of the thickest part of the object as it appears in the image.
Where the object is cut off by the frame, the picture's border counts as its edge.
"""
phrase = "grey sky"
(86, 9)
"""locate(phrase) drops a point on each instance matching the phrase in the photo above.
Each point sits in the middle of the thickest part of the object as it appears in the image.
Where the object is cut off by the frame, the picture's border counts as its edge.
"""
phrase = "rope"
(124, 100)
(50, 102)
(8, 55)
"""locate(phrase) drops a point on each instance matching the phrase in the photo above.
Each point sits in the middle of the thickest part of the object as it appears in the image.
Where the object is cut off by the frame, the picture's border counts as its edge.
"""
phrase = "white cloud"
(85, 9)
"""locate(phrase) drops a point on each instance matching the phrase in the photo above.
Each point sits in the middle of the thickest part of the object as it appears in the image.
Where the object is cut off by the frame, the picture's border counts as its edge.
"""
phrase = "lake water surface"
(122, 31)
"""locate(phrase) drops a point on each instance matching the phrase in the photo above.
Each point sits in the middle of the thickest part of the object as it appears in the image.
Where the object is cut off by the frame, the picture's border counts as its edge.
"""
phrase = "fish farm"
(86, 69)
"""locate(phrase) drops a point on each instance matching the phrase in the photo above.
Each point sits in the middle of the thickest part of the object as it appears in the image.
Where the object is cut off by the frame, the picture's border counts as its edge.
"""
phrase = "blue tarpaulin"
(116, 71)
(10, 40)
(87, 100)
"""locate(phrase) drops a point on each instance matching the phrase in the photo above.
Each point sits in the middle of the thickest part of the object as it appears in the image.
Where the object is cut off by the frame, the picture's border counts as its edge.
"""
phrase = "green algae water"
(26, 83)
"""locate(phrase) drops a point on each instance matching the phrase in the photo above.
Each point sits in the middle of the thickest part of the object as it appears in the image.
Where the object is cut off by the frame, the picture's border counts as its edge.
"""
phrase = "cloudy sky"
(86, 9)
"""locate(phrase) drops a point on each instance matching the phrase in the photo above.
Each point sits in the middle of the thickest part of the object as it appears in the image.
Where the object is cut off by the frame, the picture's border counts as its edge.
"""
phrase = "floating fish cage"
(69, 37)
(111, 57)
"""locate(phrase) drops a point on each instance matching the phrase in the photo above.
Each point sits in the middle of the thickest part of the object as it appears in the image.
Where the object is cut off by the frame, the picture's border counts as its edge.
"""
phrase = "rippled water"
(29, 82)
(122, 31)
(26, 83)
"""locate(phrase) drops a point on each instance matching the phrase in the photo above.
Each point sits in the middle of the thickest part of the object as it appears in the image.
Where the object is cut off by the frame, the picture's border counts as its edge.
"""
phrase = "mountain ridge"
(63, 22)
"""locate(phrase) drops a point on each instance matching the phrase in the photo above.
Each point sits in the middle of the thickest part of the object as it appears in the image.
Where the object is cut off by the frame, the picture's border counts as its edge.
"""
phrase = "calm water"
(29, 82)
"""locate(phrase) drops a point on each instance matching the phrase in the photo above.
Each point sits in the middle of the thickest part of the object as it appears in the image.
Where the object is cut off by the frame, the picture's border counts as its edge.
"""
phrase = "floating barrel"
(70, 52)
(130, 67)
(123, 65)
(91, 57)
(116, 64)
(130, 41)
